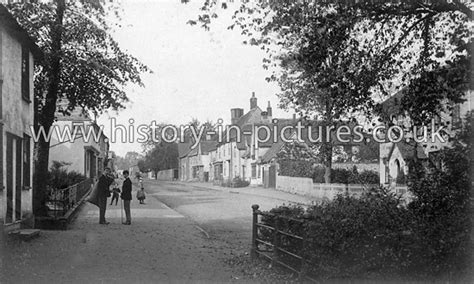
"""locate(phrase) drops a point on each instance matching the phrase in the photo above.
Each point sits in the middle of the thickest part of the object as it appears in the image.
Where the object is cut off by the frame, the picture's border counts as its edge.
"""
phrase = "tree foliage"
(94, 69)
(82, 65)
(162, 156)
(333, 59)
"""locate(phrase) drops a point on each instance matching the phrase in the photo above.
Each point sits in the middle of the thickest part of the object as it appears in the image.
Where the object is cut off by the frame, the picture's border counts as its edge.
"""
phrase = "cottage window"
(25, 74)
(26, 161)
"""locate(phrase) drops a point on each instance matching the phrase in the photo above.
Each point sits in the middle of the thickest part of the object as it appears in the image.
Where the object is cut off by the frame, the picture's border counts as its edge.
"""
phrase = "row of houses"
(256, 162)
(252, 157)
(18, 53)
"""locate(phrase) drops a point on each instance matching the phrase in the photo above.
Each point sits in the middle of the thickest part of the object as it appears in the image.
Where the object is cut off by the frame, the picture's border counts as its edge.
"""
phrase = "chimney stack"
(253, 101)
(269, 110)
(236, 114)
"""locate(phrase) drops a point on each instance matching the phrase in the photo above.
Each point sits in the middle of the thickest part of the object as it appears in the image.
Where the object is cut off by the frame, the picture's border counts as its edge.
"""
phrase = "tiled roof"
(207, 146)
(252, 116)
(276, 147)
(183, 149)
(272, 152)
(407, 150)
(391, 106)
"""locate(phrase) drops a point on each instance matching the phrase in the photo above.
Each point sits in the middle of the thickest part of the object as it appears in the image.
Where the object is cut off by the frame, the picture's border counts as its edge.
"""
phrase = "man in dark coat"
(127, 197)
(105, 181)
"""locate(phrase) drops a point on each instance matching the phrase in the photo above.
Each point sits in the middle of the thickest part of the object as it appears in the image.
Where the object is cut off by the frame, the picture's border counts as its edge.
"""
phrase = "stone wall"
(165, 175)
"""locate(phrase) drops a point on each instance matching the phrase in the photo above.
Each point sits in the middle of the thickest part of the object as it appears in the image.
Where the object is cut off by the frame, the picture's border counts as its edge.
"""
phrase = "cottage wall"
(16, 113)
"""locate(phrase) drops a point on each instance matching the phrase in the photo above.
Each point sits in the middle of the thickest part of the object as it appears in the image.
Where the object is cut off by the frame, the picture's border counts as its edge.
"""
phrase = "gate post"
(253, 250)
(304, 248)
(276, 239)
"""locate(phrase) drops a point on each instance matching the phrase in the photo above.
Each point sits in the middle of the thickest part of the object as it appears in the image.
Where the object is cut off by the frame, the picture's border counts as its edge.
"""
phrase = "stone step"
(25, 234)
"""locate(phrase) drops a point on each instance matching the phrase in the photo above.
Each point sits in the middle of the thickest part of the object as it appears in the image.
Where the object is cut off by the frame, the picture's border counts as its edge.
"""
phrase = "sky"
(196, 73)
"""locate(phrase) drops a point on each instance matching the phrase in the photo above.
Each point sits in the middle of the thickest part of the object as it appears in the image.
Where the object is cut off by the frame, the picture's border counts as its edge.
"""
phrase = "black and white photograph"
(236, 141)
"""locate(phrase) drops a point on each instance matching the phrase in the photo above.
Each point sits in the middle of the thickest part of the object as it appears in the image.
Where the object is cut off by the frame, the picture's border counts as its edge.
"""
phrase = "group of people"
(104, 183)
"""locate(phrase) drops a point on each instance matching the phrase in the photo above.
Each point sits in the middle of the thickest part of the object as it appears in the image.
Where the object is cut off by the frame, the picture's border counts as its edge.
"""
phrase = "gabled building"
(184, 166)
(394, 157)
(229, 161)
(199, 160)
(85, 150)
(17, 55)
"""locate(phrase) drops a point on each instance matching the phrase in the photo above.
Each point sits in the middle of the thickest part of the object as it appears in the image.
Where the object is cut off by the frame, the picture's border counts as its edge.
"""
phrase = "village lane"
(161, 245)
(225, 214)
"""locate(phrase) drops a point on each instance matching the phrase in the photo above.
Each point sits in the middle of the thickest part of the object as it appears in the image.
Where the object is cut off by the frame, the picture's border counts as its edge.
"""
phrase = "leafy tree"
(162, 156)
(83, 64)
(334, 58)
(131, 159)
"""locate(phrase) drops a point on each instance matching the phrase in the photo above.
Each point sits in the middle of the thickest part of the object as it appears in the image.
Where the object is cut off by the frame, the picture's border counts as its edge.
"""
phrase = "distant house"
(184, 166)
(394, 157)
(235, 157)
(87, 151)
(17, 55)
(199, 160)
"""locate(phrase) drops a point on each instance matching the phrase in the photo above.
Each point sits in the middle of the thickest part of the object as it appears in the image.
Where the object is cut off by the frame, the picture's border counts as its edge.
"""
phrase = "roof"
(183, 149)
(407, 150)
(208, 146)
(272, 152)
(252, 116)
(8, 21)
(392, 105)
(352, 140)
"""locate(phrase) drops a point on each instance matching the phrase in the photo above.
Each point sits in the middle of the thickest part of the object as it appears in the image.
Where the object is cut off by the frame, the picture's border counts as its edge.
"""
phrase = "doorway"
(13, 178)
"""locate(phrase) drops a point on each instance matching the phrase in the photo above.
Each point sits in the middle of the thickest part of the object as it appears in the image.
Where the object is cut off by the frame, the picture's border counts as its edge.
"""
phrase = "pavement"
(161, 246)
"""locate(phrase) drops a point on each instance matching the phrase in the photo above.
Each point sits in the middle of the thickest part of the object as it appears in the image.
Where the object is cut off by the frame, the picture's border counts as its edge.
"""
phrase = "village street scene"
(164, 141)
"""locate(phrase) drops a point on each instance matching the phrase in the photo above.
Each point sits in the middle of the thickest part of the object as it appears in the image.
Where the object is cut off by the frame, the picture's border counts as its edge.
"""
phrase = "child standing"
(115, 194)
(141, 192)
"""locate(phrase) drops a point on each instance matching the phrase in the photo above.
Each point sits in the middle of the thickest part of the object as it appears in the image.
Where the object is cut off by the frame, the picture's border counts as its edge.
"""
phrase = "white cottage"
(17, 54)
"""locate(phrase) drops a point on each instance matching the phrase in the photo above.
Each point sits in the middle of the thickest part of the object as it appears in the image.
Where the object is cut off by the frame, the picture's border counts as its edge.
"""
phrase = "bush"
(346, 176)
(348, 236)
(441, 207)
(377, 233)
(236, 182)
(59, 177)
(296, 168)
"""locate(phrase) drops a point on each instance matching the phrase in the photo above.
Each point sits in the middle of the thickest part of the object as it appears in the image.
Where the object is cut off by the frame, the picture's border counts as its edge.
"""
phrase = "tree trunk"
(327, 150)
(47, 114)
(327, 143)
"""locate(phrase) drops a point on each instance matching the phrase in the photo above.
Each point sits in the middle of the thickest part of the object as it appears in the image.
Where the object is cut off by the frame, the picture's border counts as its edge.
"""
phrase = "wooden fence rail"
(271, 246)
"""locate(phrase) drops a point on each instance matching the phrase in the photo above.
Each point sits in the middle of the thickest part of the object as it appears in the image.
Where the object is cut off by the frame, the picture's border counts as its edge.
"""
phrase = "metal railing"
(60, 201)
(272, 242)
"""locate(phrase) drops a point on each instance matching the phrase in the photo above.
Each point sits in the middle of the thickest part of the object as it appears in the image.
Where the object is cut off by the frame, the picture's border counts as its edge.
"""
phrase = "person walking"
(127, 197)
(105, 180)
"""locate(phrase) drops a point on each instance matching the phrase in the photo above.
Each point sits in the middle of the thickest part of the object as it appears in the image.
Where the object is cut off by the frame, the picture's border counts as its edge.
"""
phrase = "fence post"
(304, 249)
(253, 251)
(276, 239)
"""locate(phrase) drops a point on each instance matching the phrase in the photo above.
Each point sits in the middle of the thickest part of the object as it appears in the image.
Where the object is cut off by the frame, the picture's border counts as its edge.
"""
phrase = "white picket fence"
(306, 187)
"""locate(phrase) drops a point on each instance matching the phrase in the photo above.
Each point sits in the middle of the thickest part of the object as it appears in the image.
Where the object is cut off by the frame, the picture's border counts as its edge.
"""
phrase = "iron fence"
(60, 201)
(271, 241)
